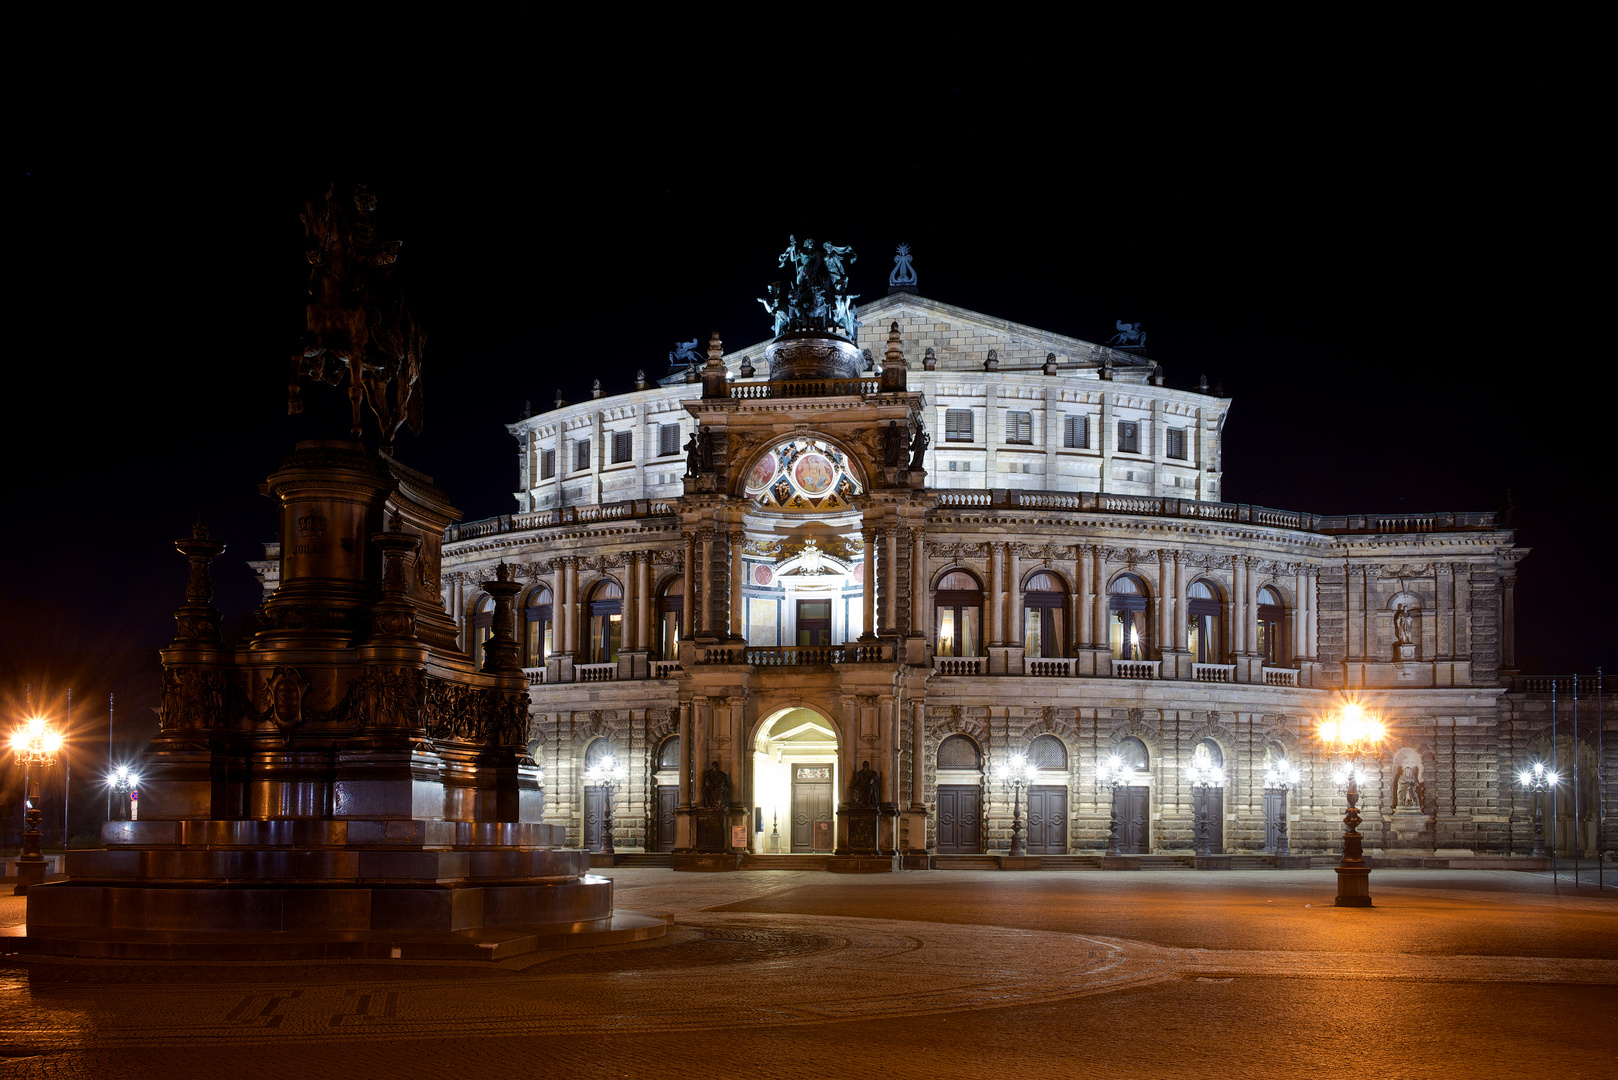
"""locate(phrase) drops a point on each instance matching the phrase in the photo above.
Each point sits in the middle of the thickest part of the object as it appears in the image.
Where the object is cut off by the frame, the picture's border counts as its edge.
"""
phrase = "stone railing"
(802, 388)
(1135, 669)
(1051, 665)
(665, 669)
(566, 515)
(1235, 513)
(960, 665)
(1213, 672)
(1280, 676)
(595, 672)
(873, 652)
(536, 675)
(1563, 684)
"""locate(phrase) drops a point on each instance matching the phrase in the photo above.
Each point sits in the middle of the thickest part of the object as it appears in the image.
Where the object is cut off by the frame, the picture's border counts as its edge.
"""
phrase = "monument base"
(862, 864)
(1353, 886)
(705, 862)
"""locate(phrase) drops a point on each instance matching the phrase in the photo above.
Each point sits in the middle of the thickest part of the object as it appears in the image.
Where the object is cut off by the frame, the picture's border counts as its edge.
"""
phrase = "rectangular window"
(1176, 443)
(1076, 432)
(668, 439)
(547, 464)
(623, 446)
(957, 425)
(1019, 427)
(953, 466)
(1128, 437)
(581, 455)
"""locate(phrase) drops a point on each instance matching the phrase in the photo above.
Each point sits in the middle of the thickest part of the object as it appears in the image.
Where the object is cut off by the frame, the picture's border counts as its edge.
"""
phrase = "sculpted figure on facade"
(865, 789)
(1402, 625)
(918, 445)
(715, 788)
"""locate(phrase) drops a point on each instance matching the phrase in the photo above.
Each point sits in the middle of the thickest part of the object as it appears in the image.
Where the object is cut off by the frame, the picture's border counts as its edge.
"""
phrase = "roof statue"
(817, 299)
(902, 278)
(356, 318)
(1130, 335)
(685, 354)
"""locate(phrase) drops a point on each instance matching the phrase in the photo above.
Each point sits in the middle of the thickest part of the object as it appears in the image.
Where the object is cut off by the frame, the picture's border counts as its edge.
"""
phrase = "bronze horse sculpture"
(356, 317)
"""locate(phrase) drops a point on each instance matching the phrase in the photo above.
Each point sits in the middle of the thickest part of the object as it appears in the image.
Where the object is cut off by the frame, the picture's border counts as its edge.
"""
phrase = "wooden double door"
(595, 817)
(812, 828)
(1275, 807)
(960, 819)
(1047, 820)
(1210, 803)
(1133, 805)
(668, 799)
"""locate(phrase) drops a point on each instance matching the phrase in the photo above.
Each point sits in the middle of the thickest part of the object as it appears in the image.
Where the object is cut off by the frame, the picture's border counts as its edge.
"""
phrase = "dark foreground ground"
(921, 974)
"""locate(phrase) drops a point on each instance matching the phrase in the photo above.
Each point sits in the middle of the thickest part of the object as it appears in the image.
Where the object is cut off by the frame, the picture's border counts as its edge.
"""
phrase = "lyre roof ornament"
(903, 276)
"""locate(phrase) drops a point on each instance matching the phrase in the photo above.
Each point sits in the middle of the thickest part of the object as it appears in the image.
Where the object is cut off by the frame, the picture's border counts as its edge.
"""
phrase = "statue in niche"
(865, 791)
(693, 455)
(715, 788)
(893, 442)
(1409, 793)
(705, 449)
(1402, 628)
(918, 445)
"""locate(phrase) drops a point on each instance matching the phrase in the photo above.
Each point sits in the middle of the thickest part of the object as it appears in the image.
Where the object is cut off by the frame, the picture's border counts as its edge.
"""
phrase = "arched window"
(537, 626)
(670, 605)
(1127, 601)
(1202, 613)
(959, 752)
(1269, 627)
(1043, 603)
(960, 614)
(1207, 753)
(595, 752)
(1047, 752)
(668, 755)
(606, 622)
(481, 627)
(1132, 752)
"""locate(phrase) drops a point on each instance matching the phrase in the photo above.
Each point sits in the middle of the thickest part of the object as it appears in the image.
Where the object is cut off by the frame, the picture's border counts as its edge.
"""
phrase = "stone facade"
(1058, 564)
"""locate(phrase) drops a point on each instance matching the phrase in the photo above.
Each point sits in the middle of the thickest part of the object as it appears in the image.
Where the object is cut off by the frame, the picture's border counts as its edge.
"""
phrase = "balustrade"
(959, 665)
(536, 675)
(665, 669)
(1053, 665)
(595, 672)
(802, 388)
(1213, 672)
(1135, 669)
(1280, 676)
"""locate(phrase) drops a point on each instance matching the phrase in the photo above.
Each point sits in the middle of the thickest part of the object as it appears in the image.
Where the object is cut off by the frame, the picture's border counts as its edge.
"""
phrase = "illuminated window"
(1126, 600)
(1044, 605)
(606, 622)
(1269, 627)
(1203, 613)
(482, 626)
(537, 640)
(960, 614)
(669, 606)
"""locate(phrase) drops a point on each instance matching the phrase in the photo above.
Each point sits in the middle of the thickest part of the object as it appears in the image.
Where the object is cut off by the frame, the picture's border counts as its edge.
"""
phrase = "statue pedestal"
(1411, 826)
(1404, 654)
(712, 831)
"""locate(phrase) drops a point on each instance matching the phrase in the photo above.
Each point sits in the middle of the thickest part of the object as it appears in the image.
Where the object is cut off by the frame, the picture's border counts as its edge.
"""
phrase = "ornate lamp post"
(1538, 780)
(1351, 733)
(120, 783)
(35, 743)
(609, 774)
(1113, 774)
(1280, 776)
(1018, 773)
(1203, 774)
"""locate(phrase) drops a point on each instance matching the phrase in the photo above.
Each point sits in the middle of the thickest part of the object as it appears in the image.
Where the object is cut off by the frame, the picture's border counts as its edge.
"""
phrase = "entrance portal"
(795, 784)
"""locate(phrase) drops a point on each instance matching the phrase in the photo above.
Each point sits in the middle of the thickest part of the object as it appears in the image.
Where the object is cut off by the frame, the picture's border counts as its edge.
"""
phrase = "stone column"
(918, 580)
(643, 601)
(685, 754)
(707, 626)
(688, 603)
(1098, 600)
(1182, 602)
(868, 590)
(1312, 635)
(631, 602)
(1508, 620)
(1165, 581)
(1238, 606)
(1300, 615)
(918, 761)
(997, 593)
(1250, 617)
(1081, 597)
(890, 580)
(738, 631)
(1014, 635)
(564, 606)
(703, 708)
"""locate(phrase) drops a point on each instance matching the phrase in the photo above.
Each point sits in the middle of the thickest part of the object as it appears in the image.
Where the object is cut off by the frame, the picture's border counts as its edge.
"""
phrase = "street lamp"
(1202, 774)
(35, 743)
(609, 774)
(1350, 734)
(1114, 774)
(1018, 773)
(121, 782)
(1280, 776)
(1538, 780)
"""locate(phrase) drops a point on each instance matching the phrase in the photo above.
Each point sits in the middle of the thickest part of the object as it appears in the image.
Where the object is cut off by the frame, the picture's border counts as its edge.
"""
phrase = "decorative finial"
(747, 369)
(560, 401)
(1202, 385)
(993, 362)
(1050, 363)
(527, 409)
(640, 379)
(929, 360)
(595, 389)
(502, 572)
(870, 362)
(716, 349)
(199, 529)
(903, 276)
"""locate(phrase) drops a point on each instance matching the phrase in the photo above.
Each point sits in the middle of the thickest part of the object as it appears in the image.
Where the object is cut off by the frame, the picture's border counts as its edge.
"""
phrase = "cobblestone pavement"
(919, 974)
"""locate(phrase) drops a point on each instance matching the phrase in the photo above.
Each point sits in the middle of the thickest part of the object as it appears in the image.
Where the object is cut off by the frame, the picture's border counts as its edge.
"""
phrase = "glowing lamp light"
(1281, 773)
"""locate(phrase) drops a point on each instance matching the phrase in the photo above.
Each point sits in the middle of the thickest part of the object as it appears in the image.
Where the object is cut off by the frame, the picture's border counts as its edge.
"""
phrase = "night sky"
(1383, 260)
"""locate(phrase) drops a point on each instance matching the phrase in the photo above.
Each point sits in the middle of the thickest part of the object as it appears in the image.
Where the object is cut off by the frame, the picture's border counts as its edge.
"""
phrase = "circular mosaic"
(759, 479)
(802, 475)
(763, 575)
(814, 474)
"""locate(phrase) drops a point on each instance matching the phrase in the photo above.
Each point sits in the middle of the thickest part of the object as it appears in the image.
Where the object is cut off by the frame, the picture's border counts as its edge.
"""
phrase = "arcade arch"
(795, 784)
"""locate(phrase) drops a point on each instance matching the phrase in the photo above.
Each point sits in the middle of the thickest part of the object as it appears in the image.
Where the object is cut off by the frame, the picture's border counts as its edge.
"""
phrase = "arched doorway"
(1132, 800)
(666, 778)
(795, 785)
(1047, 797)
(1209, 802)
(595, 796)
(959, 797)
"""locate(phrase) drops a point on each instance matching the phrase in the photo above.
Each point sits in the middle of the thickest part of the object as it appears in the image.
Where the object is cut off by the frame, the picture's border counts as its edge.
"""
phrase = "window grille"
(1019, 427)
(1128, 437)
(958, 752)
(1047, 752)
(668, 439)
(1176, 443)
(623, 446)
(957, 425)
(581, 455)
(1076, 432)
(547, 464)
